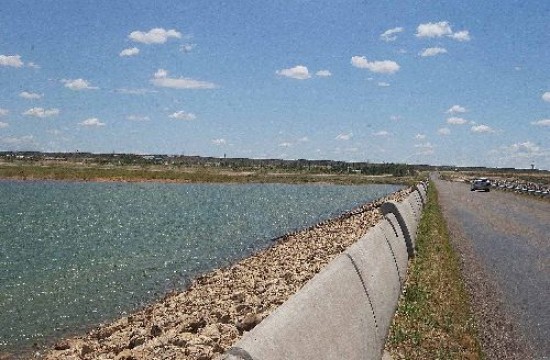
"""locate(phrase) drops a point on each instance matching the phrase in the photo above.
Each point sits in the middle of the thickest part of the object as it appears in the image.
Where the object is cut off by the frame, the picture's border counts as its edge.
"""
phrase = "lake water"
(76, 254)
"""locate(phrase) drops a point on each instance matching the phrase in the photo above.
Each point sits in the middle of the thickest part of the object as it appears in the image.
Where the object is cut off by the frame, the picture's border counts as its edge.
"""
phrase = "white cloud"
(4, 112)
(461, 35)
(33, 65)
(383, 84)
(154, 36)
(285, 144)
(41, 112)
(323, 73)
(219, 142)
(396, 117)
(161, 79)
(3, 125)
(456, 121)
(444, 131)
(298, 72)
(127, 91)
(425, 148)
(381, 133)
(303, 139)
(92, 122)
(431, 30)
(344, 137)
(129, 52)
(546, 96)
(187, 47)
(182, 115)
(11, 60)
(433, 51)
(30, 96)
(482, 129)
(137, 118)
(543, 122)
(526, 148)
(440, 29)
(78, 84)
(456, 109)
(391, 34)
(382, 67)
(27, 139)
(420, 136)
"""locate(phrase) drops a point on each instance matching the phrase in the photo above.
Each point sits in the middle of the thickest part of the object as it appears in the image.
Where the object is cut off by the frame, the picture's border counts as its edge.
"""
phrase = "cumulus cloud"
(137, 118)
(431, 30)
(33, 65)
(526, 149)
(182, 115)
(456, 121)
(440, 29)
(482, 129)
(41, 112)
(129, 52)
(92, 122)
(298, 72)
(444, 131)
(4, 112)
(11, 60)
(323, 73)
(219, 142)
(543, 122)
(456, 109)
(381, 133)
(382, 67)
(186, 48)
(344, 137)
(391, 34)
(546, 96)
(425, 149)
(30, 96)
(383, 84)
(3, 125)
(461, 35)
(161, 79)
(78, 84)
(154, 36)
(433, 51)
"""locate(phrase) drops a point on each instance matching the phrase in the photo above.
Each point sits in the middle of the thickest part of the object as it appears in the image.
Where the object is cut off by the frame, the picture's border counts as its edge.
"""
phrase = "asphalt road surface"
(504, 244)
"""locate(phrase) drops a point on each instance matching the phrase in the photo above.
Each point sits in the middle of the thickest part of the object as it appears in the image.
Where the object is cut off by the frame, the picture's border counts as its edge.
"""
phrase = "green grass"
(433, 319)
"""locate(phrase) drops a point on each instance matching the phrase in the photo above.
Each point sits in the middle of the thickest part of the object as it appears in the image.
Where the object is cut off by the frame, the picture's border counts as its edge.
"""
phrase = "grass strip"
(433, 319)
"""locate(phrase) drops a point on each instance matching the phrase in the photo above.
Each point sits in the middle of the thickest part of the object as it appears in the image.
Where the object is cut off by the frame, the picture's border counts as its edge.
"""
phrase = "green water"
(76, 254)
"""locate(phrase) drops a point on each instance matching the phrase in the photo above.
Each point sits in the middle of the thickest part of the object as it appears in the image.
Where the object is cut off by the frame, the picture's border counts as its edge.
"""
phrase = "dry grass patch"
(433, 320)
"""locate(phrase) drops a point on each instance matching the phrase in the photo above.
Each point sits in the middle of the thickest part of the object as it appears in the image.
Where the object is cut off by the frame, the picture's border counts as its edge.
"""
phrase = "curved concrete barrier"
(346, 310)
(374, 259)
(393, 233)
(331, 317)
(406, 220)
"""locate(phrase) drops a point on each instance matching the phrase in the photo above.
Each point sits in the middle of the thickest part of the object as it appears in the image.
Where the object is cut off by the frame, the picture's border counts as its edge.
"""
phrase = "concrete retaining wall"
(346, 310)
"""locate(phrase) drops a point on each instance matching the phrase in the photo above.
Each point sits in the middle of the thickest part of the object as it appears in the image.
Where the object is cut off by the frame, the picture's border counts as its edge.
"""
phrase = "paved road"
(504, 243)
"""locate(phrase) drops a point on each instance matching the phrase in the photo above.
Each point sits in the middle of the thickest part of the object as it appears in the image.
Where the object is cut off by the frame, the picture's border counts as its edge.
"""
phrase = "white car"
(480, 184)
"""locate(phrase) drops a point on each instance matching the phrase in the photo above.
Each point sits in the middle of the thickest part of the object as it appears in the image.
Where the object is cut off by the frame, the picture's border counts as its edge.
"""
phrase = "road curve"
(504, 245)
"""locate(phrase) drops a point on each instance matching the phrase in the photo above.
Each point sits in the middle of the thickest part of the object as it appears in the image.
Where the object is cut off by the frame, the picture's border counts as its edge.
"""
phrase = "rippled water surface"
(75, 254)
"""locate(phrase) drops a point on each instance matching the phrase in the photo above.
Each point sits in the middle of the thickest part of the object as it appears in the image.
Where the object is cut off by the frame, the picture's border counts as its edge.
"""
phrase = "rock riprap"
(218, 307)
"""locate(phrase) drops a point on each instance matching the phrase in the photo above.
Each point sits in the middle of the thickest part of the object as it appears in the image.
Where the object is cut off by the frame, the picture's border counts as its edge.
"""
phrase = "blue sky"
(437, 82)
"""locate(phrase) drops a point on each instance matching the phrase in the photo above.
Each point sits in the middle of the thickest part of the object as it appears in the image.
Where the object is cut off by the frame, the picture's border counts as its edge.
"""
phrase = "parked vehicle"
(481, 184)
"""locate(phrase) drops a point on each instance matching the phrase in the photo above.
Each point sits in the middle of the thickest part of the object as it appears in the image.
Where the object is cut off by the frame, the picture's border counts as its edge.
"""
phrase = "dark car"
(481, 184)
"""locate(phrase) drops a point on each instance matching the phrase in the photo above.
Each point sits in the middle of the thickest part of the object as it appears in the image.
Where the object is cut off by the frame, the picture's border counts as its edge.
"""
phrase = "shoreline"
(218, 307)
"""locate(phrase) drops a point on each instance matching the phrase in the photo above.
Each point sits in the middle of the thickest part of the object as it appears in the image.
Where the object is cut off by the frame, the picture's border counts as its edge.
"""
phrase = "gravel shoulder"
(503, 242)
